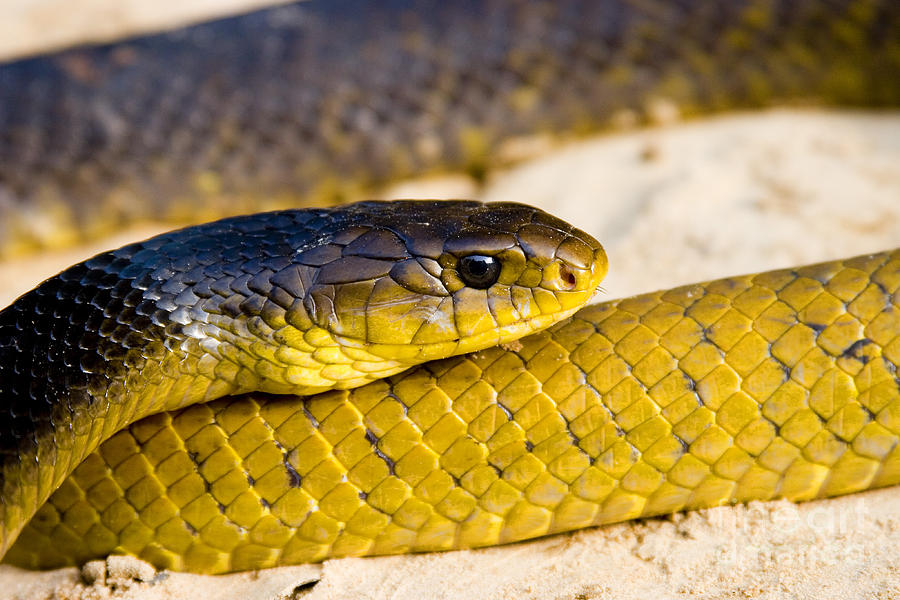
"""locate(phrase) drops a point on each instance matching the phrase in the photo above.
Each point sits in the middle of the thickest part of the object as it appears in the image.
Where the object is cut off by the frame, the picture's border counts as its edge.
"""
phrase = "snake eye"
(478, 271)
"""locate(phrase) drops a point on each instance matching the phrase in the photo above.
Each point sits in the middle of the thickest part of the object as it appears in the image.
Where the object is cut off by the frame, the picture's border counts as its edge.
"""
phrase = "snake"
(244, 394)
(300, 301)
(780, 384)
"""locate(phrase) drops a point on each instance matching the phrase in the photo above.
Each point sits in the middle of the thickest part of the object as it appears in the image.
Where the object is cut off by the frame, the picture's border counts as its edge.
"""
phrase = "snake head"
(392, 284)
(303, 301)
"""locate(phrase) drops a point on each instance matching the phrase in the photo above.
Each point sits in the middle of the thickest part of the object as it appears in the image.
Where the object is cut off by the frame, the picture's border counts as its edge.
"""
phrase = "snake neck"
(110, 341)
(71, 374)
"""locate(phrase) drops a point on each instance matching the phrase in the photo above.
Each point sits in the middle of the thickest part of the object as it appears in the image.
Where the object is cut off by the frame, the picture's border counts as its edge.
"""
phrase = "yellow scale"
(781, 384)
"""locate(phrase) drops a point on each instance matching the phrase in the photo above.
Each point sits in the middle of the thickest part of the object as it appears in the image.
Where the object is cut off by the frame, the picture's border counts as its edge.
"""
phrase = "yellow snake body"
(297, 301)
(776, 385)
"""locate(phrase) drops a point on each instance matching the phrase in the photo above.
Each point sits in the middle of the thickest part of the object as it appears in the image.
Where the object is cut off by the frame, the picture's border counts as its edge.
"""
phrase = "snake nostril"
(567, 278)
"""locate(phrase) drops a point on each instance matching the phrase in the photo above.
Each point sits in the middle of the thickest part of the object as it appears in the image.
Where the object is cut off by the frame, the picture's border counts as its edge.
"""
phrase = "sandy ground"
(673, 205)
(30, 27)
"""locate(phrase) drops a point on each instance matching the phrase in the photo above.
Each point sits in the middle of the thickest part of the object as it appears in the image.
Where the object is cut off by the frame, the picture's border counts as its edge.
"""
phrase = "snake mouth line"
(521, 328)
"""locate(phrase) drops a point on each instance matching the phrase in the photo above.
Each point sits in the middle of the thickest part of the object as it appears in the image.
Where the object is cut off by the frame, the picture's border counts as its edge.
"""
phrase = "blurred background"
(695, 141)
(31, 27)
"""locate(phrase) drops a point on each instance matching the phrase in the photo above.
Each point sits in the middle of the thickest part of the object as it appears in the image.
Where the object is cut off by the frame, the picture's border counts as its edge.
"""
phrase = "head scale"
(303, 301)
(411, 281)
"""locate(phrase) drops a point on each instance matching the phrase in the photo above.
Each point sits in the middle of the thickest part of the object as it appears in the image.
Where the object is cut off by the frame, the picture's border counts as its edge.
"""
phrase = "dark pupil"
(479, 271)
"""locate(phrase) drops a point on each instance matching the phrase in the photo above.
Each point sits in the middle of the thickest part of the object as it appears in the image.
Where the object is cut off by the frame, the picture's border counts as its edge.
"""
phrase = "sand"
(673, 205)
(29, 27)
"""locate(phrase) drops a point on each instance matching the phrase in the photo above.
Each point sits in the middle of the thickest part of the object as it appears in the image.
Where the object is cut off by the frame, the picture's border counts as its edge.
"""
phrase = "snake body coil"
(291, 302)
(781, 384)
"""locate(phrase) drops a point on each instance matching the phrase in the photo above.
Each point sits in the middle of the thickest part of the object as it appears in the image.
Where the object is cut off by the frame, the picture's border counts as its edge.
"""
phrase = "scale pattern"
(780, 384)
(297, 301)
(315, 103)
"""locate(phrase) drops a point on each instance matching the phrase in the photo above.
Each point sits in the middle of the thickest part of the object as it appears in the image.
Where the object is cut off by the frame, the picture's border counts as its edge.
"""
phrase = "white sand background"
(673, 205)
(29, 27)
